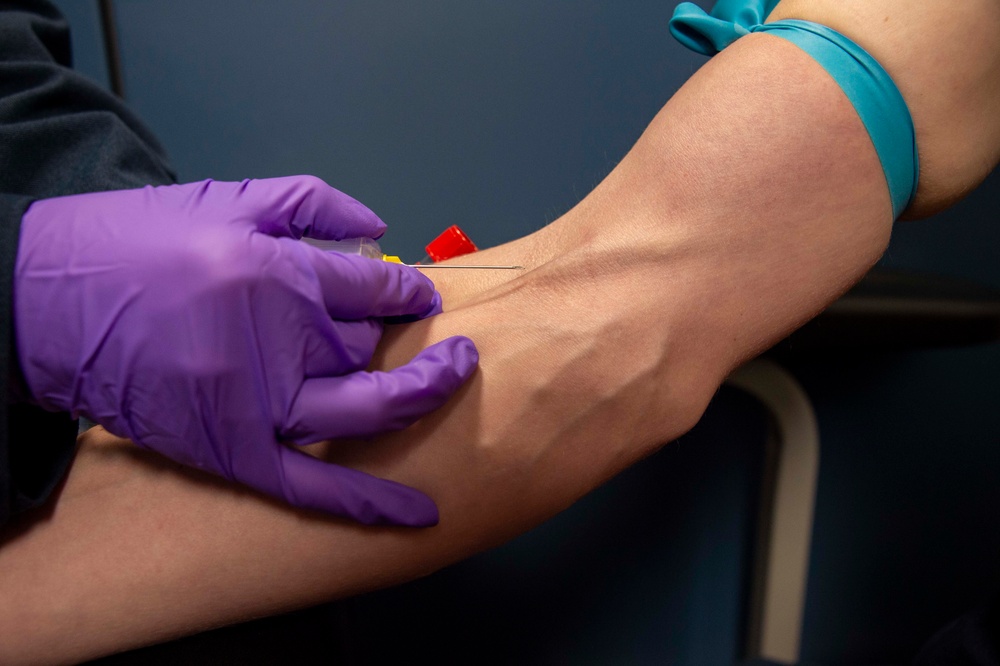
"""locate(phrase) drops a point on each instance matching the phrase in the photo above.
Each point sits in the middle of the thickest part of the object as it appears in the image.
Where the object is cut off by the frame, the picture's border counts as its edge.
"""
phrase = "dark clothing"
(60, 134)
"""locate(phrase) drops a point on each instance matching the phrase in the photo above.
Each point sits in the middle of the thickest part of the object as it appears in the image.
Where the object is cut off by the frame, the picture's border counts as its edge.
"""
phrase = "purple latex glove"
(189, 319)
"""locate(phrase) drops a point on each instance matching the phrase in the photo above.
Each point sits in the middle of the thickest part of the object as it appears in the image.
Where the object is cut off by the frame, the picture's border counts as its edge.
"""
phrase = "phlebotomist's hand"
(189, 319)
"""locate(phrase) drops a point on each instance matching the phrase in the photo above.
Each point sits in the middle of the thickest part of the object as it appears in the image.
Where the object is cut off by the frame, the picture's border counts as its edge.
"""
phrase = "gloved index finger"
(380, 402)
(298, 206)
(357, 287)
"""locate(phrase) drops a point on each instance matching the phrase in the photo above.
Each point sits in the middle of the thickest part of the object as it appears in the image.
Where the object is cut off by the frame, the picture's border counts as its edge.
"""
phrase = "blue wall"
(497, 117)
(85, 35)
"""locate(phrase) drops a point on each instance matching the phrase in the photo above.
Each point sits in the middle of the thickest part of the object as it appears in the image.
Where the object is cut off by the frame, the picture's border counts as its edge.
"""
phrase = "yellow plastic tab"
(391, 259)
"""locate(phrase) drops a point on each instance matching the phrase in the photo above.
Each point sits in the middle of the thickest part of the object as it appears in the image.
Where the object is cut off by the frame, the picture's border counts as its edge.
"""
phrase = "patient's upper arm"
(945, 59)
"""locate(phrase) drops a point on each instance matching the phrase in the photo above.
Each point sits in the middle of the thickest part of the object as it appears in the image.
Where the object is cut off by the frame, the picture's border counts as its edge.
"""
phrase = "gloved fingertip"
(435, 308)
(378, 226)
(365, 215)
(391, 503)
(421, 512)
(452, 362)
(464, 354)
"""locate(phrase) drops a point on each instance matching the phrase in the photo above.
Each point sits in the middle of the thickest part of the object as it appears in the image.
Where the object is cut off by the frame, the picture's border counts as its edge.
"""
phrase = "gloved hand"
(189, 319)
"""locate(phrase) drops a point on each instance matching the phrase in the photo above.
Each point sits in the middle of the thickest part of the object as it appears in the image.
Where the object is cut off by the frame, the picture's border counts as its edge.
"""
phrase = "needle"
(464, 266)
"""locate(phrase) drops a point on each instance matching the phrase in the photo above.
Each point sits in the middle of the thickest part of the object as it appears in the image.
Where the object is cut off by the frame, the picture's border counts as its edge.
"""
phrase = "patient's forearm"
(754, 199)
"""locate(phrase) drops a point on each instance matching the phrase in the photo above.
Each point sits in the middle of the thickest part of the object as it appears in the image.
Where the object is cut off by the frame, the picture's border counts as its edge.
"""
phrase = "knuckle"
(310, 182)
(307, 188)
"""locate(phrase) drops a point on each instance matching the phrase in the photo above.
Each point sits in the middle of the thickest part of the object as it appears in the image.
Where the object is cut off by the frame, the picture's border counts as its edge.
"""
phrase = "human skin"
(756, 199)
(945, 61)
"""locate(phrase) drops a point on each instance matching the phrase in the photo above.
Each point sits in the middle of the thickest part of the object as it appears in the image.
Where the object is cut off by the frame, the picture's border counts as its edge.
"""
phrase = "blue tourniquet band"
(867, 85)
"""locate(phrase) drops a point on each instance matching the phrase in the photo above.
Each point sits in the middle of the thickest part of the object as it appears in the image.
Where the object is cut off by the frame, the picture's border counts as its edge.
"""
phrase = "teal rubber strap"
(867, 85)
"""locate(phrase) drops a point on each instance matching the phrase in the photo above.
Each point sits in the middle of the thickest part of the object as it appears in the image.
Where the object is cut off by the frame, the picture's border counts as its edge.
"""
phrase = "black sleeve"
(60, 133)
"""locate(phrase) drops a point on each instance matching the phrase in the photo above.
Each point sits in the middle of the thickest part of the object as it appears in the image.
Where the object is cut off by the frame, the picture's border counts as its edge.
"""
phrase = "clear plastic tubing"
(365, 247)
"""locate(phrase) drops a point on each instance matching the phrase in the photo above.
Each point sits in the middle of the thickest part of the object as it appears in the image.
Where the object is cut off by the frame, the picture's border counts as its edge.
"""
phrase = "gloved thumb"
(297, 206)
